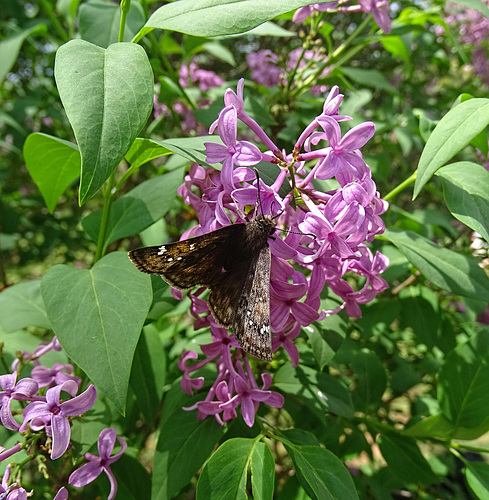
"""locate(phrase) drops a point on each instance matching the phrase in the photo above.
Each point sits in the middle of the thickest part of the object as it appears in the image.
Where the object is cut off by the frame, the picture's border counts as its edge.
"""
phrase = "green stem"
(52, 16)
(467, 447)
(410, 180)
(352, 37)
(108, 199)
(125, 7)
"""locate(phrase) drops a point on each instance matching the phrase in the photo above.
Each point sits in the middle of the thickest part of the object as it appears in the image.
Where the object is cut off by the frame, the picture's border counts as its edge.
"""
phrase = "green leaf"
(477, 474)
(225, 473)
(10, 48)
(144, 150)
(396, 46)
(449, 270)
(432, 426)
(97, 316)
(53, 164)
(99, 21)
(184, 443)
(321, 473)
(405, 460)
(319, 391)
(136, 210)
(108, 96)
(420, 311)
(326, 338)
(369, 78)
(454, 131)
(371, 379)
(463, 383)
(477, 5)
(209, 18)
(466, 190)
(21, 305)
(133, 480)
(191, 148)
(262, 472)
(148, 376)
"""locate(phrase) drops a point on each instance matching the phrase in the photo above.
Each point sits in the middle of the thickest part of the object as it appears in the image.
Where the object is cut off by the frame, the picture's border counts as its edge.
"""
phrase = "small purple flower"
(12, 492)
(250, 397)
(62, 494)
(90, 471)
(24, 390)
(241, 153)
(58, 412)
(58, 374)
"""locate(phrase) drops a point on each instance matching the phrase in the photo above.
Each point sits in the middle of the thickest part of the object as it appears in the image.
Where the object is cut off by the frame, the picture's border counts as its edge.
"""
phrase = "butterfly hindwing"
(192, 262)
(251, 321)
(225, 294)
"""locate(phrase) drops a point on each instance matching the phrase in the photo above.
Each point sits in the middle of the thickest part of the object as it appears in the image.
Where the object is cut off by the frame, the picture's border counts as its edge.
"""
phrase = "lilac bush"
(358, 131)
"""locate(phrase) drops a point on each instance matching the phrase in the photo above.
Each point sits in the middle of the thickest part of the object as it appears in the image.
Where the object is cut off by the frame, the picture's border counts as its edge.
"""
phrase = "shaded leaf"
(466, 190)
(449, 270)
(463, 383)
(53, 164)
(184, 443)
(21, 305)
(404, 459)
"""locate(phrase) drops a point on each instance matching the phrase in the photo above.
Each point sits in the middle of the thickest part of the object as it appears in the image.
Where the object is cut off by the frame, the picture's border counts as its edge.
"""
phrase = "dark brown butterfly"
(234, 263)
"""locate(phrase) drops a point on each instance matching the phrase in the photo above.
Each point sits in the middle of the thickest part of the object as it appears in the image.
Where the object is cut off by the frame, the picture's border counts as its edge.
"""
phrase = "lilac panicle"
(96, 465)
(327, 241)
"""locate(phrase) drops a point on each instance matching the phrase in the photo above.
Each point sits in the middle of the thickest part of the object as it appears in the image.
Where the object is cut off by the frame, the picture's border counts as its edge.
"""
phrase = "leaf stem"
(108, 199)
(125, 7)
(410, 180)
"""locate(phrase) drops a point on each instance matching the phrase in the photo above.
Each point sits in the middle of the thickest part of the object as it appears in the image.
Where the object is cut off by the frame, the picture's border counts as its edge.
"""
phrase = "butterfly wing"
(251, 322)
(226, 292)
(193, 262)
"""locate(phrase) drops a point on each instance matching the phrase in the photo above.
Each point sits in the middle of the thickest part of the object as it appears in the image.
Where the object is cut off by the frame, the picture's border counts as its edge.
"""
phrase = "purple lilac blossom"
(96, 465)
(342, 220)
(55, 413)
(13, 491)
(24, 390)
(378, 9)
(473, 28)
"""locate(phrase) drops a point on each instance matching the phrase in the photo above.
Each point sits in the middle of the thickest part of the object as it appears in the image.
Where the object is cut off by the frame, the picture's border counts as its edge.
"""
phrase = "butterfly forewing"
(189, 263)
(252, 317)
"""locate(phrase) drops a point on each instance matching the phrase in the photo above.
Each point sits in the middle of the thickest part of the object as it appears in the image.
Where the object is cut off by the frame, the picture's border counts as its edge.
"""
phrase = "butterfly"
(233, 262)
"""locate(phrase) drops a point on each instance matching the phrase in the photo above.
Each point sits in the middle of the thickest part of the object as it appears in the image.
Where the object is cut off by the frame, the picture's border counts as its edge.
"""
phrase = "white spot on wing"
(161, 250)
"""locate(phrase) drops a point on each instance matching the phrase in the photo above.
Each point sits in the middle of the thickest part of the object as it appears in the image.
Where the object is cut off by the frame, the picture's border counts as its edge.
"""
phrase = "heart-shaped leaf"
(97, 315)
(108, 96)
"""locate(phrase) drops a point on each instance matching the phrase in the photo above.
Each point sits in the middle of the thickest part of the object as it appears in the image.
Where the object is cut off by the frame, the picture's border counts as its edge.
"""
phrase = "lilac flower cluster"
(46, 412)
(378, 9)
(189, 74)
(474, 31)
(266, 70)
(342, 221)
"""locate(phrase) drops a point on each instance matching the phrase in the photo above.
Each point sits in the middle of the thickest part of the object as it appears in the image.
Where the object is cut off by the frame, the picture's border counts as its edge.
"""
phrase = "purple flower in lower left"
(58, 412)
